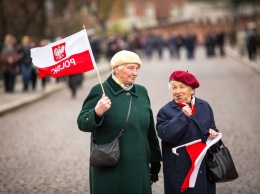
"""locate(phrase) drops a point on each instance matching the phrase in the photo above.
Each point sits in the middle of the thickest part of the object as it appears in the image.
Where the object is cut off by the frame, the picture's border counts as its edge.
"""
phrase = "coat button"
(86, 119)
(200, 171)
(128, 94)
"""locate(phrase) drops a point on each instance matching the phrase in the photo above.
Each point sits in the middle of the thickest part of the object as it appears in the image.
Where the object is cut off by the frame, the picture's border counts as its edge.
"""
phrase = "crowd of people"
(214, 42)
(155, 44)
(248, 42)
(15, 57)
(16, 60)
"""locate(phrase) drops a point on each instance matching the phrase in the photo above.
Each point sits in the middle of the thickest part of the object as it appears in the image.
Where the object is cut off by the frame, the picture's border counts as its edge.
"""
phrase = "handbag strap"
(128, 113)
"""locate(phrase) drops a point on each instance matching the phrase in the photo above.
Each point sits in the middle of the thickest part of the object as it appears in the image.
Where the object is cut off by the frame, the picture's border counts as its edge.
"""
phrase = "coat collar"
(198, 106)
(116, 89)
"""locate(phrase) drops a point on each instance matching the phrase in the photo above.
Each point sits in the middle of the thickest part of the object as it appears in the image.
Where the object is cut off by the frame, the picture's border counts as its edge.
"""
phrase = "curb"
(27, 100)
(245, 61)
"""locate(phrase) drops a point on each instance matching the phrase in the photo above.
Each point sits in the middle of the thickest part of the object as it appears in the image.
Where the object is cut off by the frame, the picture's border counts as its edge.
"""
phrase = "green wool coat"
(139, 144)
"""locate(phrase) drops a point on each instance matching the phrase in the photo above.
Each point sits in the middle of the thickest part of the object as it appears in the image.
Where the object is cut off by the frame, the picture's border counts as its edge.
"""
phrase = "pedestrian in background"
(251, 43)
(74, 82)
(210, 44)
(26, 62)
(220, 42)
(9, 61)
(179, 41)
(104, 116)
(242, 42)
(159, 45)
(183, 120)
(190, 43)
(172, 44)
(149, 46)
(34, 73)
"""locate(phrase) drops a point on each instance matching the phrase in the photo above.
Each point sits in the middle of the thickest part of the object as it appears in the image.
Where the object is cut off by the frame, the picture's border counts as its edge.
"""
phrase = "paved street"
(42, 150)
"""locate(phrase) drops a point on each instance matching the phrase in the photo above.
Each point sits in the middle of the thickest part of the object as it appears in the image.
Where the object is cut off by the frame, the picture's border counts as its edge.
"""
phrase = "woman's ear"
(115, 70)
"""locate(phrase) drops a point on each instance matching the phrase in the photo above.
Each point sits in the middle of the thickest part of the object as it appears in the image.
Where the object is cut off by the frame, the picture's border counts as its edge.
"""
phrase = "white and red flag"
(71, 55)
(196, 151)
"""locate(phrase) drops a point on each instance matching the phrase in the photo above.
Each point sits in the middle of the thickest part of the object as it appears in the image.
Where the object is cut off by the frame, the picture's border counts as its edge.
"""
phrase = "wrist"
(97, 113)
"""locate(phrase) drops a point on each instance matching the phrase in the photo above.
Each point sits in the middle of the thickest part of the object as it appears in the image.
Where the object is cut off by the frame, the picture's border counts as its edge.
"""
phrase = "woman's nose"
(178, 90)
(135, 71)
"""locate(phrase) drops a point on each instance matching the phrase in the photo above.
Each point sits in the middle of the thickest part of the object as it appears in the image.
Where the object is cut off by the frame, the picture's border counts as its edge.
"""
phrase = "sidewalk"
(19, 98)
(254, 65)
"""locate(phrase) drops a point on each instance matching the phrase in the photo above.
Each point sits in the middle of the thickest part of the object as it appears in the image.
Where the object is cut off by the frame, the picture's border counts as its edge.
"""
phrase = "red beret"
(185, 77)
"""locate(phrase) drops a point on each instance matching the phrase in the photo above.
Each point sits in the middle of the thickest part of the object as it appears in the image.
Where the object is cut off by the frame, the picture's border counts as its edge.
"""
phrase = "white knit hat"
(124, 57)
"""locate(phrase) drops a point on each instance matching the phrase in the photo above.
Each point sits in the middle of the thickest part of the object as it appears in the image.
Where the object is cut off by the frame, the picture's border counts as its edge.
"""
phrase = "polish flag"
(71, 55)
(197, 152)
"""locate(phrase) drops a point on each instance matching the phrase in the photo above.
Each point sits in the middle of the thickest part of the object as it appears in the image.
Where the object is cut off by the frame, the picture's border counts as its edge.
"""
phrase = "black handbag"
(220, 165)
(107, 155)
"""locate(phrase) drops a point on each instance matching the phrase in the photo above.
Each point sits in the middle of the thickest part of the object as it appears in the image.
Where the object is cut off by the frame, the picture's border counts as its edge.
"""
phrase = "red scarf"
(192, 106)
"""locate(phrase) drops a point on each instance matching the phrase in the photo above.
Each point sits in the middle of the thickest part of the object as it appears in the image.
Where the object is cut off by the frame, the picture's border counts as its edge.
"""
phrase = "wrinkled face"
(181, 92)
(127, 73)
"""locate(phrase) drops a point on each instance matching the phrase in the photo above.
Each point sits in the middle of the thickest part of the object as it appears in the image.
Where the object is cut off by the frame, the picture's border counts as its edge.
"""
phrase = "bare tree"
(22, 17)
(30, 17)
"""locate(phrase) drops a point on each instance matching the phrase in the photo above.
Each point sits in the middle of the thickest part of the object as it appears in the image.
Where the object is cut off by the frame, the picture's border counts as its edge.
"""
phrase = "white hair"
(170, 85)
(119, 67)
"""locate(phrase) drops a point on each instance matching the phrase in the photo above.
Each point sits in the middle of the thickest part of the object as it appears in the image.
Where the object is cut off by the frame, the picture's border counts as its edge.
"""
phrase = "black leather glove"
(154, 171)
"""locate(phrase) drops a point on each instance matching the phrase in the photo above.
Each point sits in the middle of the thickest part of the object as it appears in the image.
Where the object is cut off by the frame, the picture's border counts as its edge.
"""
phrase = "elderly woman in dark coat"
(180, 121)
(104, 116)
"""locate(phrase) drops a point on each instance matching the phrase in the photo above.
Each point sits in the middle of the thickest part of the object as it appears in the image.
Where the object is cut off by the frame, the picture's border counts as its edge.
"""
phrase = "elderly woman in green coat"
(104, 116)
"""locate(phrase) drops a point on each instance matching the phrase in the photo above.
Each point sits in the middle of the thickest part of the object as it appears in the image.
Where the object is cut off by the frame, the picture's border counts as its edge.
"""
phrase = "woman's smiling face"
(181, 92)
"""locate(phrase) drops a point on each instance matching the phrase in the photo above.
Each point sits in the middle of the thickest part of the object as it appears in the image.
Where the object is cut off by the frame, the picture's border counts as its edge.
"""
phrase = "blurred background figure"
(26, 62)
(172, 44)
(158, 44)
(210, 43)
(9, 60)
(251, 43)
(111, 47)
(220, 41)
(95, 46)
(74, 82)
(149, 44)
(179, 44)
(34, 73)
(190, 42)
(241, 42)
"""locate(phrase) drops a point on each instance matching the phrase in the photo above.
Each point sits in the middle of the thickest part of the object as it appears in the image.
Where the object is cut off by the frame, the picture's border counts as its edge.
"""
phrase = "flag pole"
(174, 150)
(93, 59)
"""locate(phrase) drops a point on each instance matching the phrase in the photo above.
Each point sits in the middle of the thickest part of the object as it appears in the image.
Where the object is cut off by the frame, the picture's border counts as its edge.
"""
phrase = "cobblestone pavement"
(42, 150)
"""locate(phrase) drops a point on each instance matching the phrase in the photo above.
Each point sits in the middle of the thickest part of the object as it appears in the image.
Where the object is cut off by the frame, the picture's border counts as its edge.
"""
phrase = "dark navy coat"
(175, 128)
